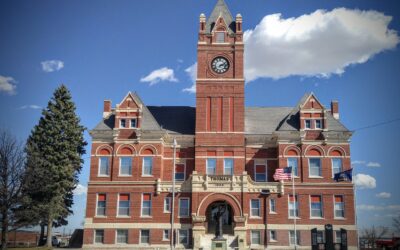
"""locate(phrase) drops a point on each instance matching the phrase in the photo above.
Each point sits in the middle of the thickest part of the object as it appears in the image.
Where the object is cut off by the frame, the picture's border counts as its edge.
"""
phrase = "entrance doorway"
(227, 218)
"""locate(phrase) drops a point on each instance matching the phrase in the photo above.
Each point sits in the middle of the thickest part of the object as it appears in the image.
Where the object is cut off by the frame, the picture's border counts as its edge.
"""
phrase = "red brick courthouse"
(226, 153)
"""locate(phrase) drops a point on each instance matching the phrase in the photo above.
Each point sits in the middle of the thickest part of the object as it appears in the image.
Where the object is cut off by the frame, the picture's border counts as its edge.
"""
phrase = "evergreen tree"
(54, 160)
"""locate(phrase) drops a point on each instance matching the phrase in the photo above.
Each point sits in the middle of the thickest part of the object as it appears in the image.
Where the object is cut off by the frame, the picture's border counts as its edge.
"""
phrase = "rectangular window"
(320, 237)
(146, 204)
(316, 206)
(165, 234)
(293, 239)
(307, 124)
(183, 236)
(339, 206)
(261, 173)
(103, 166)
(220, 37)
(228, 166)
(255, 237)
(338, 237)
(293, 206)
(255, 208)
(272, 206)
(125, 166)
(318, 124)
(144, 236)
(167, 204)
(211, 166)
(147, 166)
(122, 236)
(180, 172)
(122, 123)
(133, 123)
(293, 163)
(123, 205)
(101, 205)
(184, 207)
(272, 235)
(336, 166)
(315, 167)
(99, 236)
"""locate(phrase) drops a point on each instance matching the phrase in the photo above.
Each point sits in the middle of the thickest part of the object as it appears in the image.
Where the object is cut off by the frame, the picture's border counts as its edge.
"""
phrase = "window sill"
(167, 212)
(146, 216)
(297, 218)
(256, 217)
(273, 212)
(315, 177)
(317, 218)
(339, 218)
(183, 217)
(100, 216)
(165, 240)
(273, 241)
(124, 175)
(123, 216)
(147, 176)
(103, 176)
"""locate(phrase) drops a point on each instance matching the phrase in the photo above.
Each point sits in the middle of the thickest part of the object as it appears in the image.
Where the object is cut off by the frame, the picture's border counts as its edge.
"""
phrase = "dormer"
(312, 114)
(128, 113)
(219, 32)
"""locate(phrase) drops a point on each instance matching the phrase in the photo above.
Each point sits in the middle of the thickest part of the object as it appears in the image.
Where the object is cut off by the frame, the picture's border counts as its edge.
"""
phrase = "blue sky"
(103, 49)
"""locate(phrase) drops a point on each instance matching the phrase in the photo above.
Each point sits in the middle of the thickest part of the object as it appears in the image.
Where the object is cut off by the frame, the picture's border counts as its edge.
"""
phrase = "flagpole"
(172, 235)
(295, 209)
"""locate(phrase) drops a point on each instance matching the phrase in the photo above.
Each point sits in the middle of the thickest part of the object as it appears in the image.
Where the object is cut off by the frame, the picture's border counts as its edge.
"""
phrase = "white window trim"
(297, 238)
(170, 205)
(108, 167)
(259, 210)
(120, 123)
(320, 167)
(129, 208)
(152, 167)
(207, 165)
(233, 164)
(130, 122)
(151, 206)
(120, 163)
(298, 207)
(184, 171)
(251, 237)
(305, 124)
(179, 238)
(341, 167)
(287, 162)
(315, 124)
(140, 237)
(264, 163)
(169, 235)
(97, 204)
(344, 208)
(116, 237)
(179, 208)
(270, 201)
(94, 236)
(270, 238)
(322, 207)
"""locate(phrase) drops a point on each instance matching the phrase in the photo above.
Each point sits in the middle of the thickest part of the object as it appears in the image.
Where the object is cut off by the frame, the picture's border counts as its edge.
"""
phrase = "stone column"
(198, 230)
(240, 231)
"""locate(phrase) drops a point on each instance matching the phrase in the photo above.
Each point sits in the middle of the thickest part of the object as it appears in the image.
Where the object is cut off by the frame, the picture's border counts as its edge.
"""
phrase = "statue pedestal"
(218, 244)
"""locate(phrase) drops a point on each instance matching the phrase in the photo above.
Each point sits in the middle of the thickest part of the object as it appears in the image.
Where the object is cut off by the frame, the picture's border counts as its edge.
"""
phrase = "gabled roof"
(221, 10)
(175, 119)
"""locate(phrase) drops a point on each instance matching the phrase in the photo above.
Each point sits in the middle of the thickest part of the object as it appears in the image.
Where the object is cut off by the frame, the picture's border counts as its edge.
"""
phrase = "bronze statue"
(218, 219)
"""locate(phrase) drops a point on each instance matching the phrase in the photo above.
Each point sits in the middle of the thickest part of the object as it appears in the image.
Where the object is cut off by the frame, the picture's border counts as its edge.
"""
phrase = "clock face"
(220, 65)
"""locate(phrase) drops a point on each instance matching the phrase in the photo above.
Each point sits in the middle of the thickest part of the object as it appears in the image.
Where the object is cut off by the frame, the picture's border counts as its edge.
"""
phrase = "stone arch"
(147, 148)
(213, 197)
(314, 150)
(126, 149)
(104, 150)
(292, 151)
(337, 151)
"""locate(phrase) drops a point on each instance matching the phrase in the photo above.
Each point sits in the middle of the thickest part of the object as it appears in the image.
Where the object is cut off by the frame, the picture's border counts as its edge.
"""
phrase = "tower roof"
(221, 9)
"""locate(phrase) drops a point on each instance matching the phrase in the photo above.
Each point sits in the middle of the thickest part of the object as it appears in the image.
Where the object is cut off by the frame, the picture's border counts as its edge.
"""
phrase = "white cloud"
(384, 195)
(52, 65)
(7, 85)
(192, 73)
(378, 207)
(364, 181)
(163, 74)
(373, 164)
(317, 44)
(32, 106)
(80, 189)
(358, 162)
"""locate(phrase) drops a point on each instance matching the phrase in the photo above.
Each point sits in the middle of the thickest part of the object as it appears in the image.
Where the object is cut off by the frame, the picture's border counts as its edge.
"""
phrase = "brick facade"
(225, 153)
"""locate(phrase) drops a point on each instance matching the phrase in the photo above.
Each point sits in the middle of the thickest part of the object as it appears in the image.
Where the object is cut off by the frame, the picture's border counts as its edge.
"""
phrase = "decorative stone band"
(298, 227)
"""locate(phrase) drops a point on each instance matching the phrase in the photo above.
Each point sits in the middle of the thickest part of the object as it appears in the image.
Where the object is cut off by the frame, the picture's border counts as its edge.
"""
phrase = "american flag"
(283, 174)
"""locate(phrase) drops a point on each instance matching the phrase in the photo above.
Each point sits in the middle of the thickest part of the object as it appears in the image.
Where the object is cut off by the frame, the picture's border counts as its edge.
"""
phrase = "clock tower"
(220, 90)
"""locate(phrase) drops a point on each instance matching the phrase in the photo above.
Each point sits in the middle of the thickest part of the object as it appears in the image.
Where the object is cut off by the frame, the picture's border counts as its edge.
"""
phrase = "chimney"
(335, 109)
(107, 108)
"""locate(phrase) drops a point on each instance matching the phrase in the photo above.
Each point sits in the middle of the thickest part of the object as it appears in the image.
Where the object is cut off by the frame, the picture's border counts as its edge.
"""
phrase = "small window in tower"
(220, 37)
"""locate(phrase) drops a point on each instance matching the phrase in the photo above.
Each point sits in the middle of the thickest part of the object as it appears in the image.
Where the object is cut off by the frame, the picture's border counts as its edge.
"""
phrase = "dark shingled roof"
(178, 119)
(264, 120)
(221, 9)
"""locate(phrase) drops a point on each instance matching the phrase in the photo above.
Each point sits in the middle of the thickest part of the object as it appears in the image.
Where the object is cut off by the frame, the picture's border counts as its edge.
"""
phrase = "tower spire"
(221, 10)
